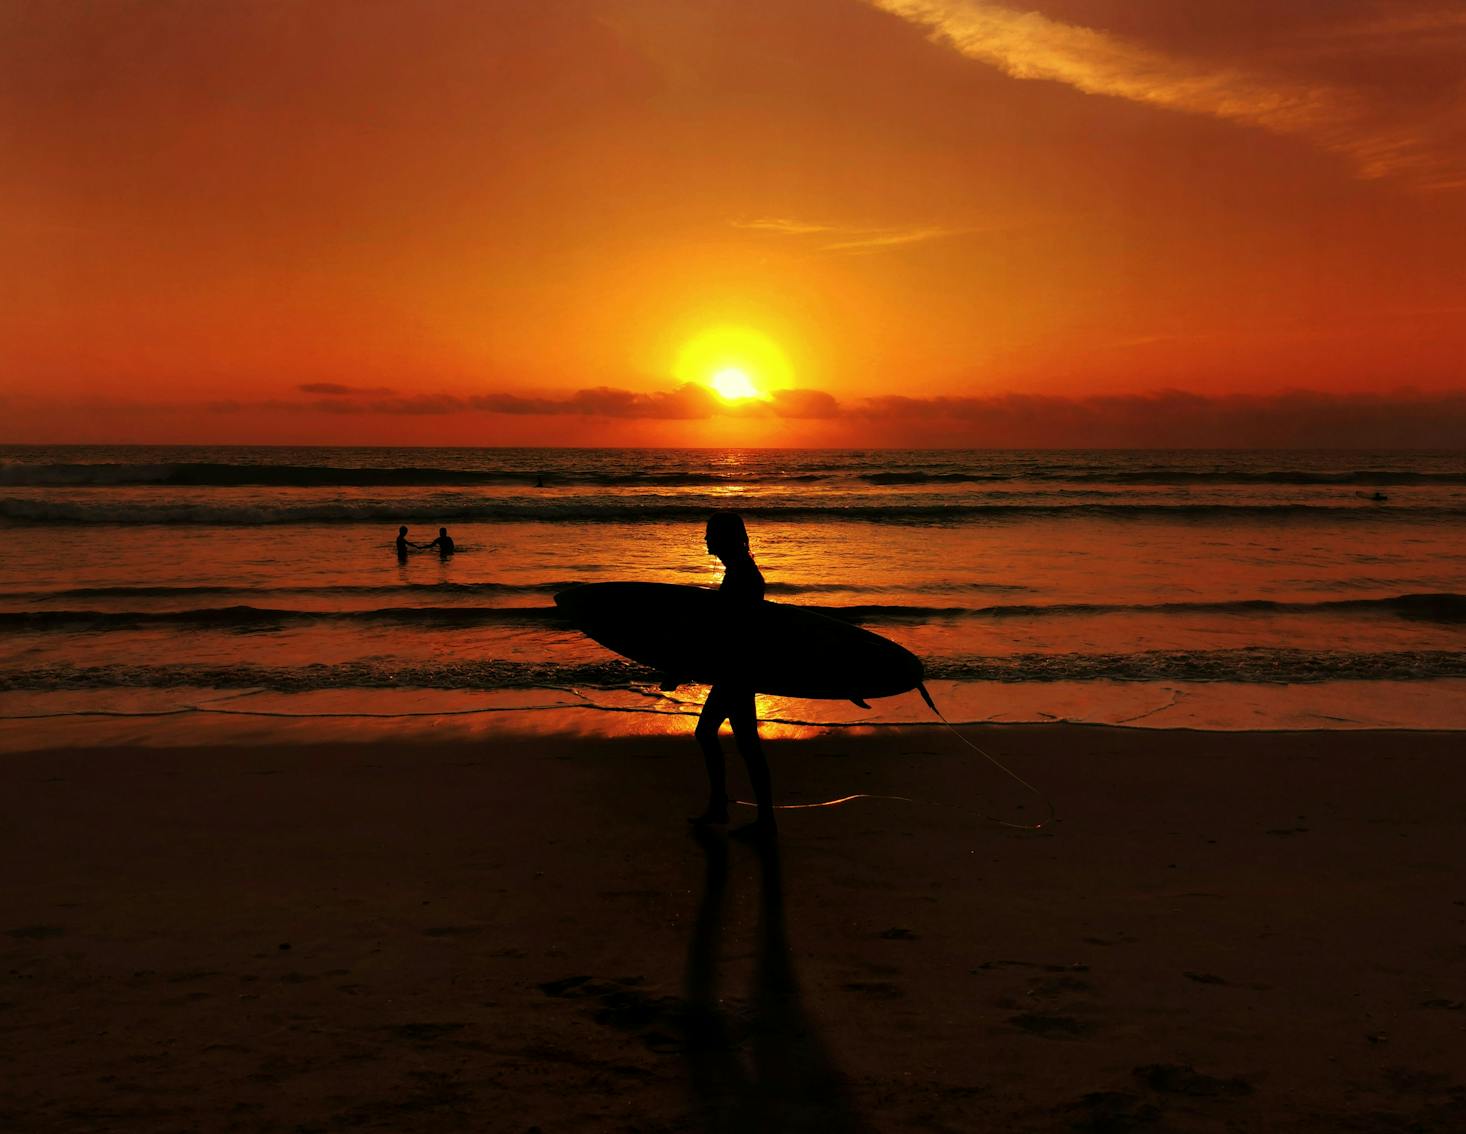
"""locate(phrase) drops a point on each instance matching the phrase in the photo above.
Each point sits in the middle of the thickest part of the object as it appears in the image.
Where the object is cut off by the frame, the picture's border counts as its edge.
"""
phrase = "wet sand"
(1222, 931)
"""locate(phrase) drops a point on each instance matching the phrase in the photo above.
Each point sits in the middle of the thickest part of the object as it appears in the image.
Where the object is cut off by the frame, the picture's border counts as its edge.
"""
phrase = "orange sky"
(446, 219)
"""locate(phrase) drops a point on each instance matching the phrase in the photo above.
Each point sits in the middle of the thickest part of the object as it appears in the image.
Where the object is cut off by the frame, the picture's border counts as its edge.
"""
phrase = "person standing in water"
(403, 544)
(444, 543)
(743, 585)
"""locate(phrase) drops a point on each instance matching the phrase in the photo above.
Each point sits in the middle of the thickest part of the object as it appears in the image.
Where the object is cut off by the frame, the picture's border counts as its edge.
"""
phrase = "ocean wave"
(1244, 665)
(1238, 666)
(245, 617)
(204, 474)
(1438, 607)
(619, 509)
(371, 674)
(918, 477)
(446, 589)
(1362, 478)
(443, 587)
(1171, 477)
(214, 475)
(1444, 607)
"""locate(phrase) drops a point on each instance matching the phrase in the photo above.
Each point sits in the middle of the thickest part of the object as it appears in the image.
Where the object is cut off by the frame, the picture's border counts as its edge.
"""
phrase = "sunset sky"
(890, 221)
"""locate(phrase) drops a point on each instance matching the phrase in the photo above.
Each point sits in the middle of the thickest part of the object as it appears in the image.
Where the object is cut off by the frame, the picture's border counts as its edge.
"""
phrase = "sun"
(733, 384)
(737, 363)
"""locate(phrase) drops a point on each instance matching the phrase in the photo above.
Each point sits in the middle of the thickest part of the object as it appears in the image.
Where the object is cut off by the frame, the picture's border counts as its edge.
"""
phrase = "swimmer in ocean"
(444, 543)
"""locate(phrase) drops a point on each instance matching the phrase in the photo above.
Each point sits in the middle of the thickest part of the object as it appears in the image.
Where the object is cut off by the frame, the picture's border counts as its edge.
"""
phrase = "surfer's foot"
(713, 816)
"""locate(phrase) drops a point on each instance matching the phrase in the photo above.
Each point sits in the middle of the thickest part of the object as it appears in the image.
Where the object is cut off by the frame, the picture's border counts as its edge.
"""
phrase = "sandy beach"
(416, 419)
(1246, 931)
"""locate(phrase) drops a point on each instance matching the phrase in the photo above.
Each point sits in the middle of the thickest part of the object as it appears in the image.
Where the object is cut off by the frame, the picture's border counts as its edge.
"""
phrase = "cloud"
(418, 405)
(337, 389)
(687, 402)
(1401, 419)
(787, 226)
(1029, 45)
(805, 404)
(851, 238)
(1294, 418)
(1307, 418)
(1428, 27)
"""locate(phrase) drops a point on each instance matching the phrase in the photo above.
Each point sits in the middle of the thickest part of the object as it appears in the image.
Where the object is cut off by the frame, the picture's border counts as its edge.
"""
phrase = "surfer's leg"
(744, 716)
(714, 713)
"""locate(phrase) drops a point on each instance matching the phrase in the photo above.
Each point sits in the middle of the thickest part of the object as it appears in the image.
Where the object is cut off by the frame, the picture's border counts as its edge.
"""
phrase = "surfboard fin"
(858, 701)
(927, 697)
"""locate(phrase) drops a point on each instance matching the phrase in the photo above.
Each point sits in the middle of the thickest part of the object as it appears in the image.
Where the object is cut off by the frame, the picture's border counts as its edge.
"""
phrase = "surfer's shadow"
(758, 1063)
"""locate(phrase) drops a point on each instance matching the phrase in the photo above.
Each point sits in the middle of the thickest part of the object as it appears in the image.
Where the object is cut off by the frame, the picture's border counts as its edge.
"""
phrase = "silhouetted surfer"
(743, 583)
(403, 544)
(444, 543)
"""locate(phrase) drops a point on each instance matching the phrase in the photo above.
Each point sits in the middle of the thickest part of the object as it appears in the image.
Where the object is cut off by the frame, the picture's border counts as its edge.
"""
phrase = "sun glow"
(733, 384)
(737, 363)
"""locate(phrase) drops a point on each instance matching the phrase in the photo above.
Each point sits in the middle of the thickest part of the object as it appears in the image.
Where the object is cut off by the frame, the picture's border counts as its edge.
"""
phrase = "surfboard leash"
(989, 757)
(998, 764)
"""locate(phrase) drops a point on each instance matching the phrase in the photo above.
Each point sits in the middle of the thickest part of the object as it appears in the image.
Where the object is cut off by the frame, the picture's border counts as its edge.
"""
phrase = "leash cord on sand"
(925, 696)
(991, 759)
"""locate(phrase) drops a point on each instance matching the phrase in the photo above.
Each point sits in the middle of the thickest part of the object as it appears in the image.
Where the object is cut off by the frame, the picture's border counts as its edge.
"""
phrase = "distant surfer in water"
(743, 583)
(403, 544)
(444, 543)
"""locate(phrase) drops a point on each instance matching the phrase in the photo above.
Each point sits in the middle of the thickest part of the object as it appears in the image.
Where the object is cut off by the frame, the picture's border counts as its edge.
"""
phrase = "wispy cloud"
(1302, 418)
(687, 402)
(890, 238)
(1401, 418)
(1030, 45)
(787, 226)
(336, 389)
(1431, 24)
(851, 238)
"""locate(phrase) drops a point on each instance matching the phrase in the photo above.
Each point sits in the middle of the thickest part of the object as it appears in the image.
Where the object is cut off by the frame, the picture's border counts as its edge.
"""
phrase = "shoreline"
(1221, 930)
(189, 716)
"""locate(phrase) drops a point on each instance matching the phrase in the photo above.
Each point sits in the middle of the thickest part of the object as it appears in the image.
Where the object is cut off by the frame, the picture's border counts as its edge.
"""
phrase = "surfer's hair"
(727, 525)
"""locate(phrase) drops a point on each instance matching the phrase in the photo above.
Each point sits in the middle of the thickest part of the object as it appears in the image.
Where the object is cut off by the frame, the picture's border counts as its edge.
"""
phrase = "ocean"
(167, 593)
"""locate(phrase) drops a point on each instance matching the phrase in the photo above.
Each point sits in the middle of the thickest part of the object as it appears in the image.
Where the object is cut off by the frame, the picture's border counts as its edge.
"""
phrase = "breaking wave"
(1239, 666)
(204, 474)
(1441, 607)
(1445, 607)
(246, 617)
(615, 509)
(450, 589)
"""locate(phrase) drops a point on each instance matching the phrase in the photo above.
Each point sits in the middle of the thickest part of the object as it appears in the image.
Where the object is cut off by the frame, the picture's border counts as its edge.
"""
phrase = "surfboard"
(696, 634)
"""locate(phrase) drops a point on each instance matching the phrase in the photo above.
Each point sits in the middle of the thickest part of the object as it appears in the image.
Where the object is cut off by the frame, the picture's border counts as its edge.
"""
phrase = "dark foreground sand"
(1225, 932)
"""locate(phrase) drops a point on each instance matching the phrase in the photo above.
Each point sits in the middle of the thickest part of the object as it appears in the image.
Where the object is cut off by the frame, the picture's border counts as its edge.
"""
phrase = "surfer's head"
(726, 534)
(402, 530)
